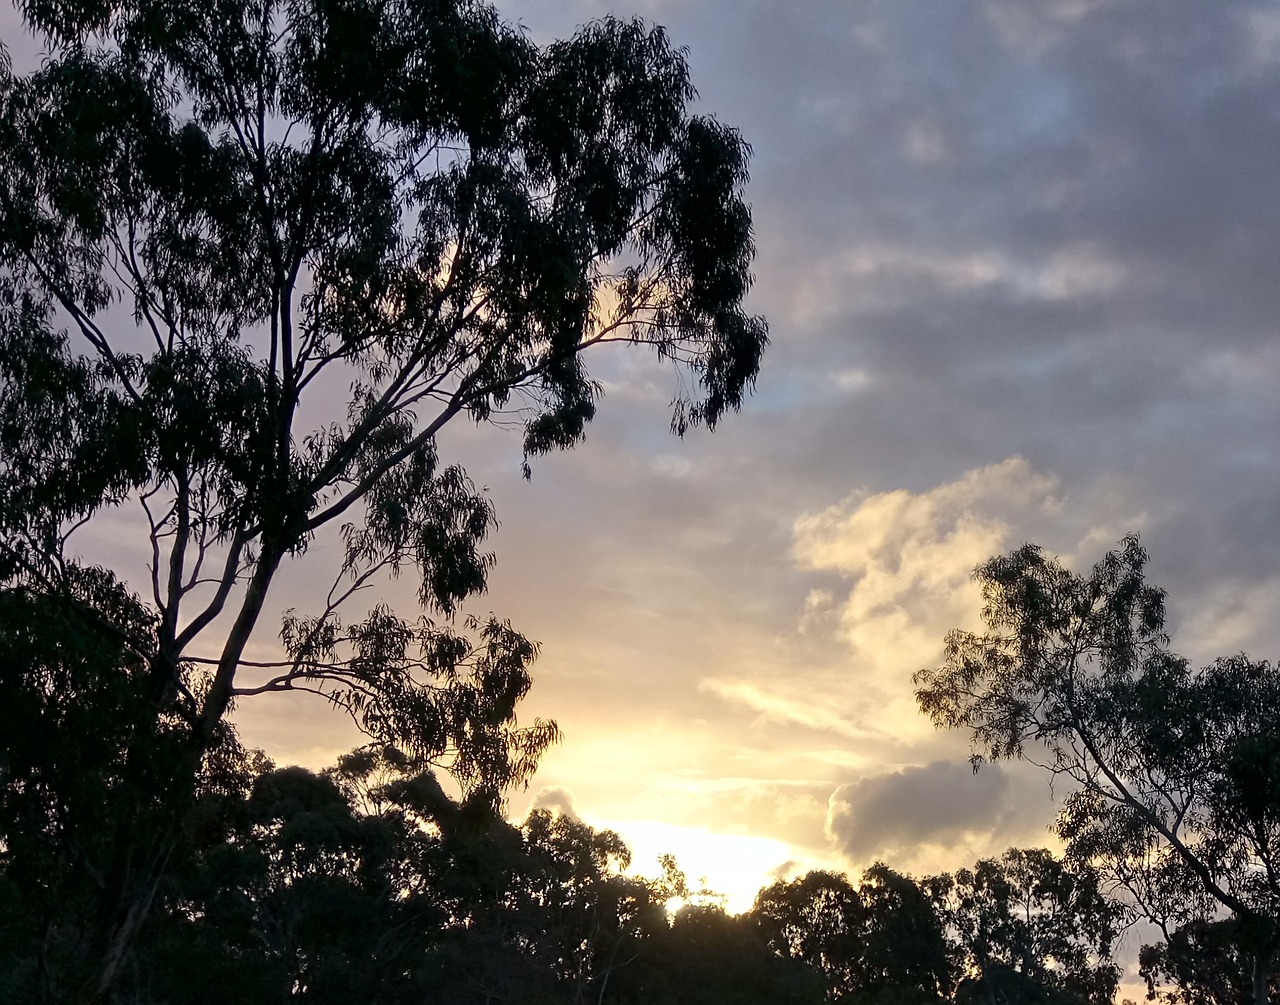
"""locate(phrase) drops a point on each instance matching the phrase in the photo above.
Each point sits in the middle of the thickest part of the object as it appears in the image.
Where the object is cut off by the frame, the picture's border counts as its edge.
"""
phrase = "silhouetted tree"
(708, 957)
(818, 919)
(596, 917)
(369, 882)
(303, 892)
(882, 940)
(906, 957)
(213, 218)
(1174, 775)
(1029, 915)
(1201, 963)
(75, 723)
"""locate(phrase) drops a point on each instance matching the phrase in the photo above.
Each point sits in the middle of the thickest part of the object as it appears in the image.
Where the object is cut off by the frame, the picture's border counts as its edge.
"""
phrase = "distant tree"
(253, 259)
(818, 919)
(1201, 963)
(882, 940)
(595, 917)
(298, 889)
(1031, 915)
(905, 945)
(369, 882)
(1174, 773)
(708, 957)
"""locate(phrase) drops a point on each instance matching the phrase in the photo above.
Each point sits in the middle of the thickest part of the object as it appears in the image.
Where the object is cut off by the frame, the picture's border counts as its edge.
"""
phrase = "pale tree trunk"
(134, 882)
(116, 940)
(143, 847)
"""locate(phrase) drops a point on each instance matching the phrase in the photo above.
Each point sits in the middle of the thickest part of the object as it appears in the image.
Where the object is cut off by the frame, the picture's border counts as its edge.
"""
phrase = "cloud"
(775, 705)
(1033, 25)
(904, 532)
(937, 813)
(557, 799)
(893, 575)
(790, 809)
(909, 558)
(1232, 616)
(785, 872)
(934, 804)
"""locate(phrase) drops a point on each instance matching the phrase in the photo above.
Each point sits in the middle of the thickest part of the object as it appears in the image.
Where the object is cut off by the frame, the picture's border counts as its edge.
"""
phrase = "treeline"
(369, 883)
(394, 876)
(213, 218)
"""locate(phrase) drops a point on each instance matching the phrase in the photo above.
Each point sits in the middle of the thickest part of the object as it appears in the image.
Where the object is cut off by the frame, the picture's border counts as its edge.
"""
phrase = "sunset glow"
(1017, 263)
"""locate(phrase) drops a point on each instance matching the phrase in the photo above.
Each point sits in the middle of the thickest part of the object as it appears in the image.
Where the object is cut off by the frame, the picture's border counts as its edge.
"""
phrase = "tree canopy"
(1171, 770)
(253, 259)
(881, 939)
(1031, 919)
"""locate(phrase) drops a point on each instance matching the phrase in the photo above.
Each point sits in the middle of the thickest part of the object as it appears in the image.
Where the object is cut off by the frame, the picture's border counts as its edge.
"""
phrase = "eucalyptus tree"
(817, 918)
(882, 940)
(254, 258)
(1173, 773)
(1201, 963)
(597, 918)
(708, 957)
(1035, 916)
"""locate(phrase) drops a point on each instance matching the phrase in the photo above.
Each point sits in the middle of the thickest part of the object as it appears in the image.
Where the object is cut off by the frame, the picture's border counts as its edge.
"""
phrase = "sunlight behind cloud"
(734, 865)
(909, 558)
(773, 705)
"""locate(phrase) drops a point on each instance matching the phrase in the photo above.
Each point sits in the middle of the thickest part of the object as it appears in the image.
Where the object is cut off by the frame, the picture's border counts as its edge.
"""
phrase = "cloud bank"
(937, 813)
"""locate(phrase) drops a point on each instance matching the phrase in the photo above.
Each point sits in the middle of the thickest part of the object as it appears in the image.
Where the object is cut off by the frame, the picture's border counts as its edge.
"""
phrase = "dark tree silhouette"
(882, 940)
(368, 882)
(1201, 963)
(216, 216)
(708, 957)
(1175, 779)
(1029, 919)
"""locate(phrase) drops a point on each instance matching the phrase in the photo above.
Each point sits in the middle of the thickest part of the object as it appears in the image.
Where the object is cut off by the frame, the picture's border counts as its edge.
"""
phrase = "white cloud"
(1231, 616)
(925, 142)
(774, 705)
(557, 799)
(909, 558)
(1077, 272)
(855, 379)
(1034, 25)
(871, 276)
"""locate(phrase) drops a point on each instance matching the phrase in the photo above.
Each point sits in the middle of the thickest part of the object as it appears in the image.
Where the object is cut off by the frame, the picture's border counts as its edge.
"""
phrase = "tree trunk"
(117, 935)
(135, 878)
(144, 842)
(1261, 981)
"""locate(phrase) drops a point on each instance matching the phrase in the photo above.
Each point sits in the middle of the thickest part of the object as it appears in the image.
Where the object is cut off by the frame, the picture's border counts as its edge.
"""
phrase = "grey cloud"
(557, 799)
(897, 144)
(943, 804)
(1132, 133)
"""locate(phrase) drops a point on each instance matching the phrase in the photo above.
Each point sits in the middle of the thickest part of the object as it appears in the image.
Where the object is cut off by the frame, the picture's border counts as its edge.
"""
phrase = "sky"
(1019, 263)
